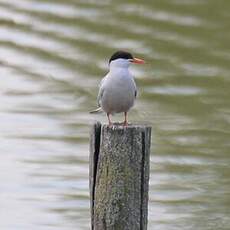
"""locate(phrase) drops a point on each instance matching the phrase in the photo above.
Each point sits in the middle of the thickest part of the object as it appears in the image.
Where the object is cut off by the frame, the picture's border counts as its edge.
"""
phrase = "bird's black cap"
(121, 54)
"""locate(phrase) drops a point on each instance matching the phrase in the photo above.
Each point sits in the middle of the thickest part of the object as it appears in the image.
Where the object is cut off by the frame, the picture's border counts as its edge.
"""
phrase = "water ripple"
(53, 55)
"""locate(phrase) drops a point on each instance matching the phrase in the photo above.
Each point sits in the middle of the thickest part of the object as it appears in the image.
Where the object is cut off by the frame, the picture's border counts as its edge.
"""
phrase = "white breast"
(118, 91)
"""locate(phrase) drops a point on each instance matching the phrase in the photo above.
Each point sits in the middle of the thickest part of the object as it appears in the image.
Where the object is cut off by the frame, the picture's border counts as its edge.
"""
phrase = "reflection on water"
(52, 57)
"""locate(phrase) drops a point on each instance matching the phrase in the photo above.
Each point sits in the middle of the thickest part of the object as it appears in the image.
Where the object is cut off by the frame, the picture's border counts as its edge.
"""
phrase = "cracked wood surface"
(119, 177)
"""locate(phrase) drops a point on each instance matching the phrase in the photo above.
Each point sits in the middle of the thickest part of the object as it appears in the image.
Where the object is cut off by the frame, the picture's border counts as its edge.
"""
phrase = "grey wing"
(135, 89)
(101, 91)
(100, 94)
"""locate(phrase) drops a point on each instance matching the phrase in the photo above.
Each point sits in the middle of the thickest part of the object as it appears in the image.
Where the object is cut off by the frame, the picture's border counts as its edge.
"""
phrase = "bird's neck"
(114, 68)
(119, 70)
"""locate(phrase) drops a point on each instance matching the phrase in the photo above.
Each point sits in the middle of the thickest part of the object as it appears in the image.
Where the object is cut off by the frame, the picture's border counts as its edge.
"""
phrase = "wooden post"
(119, 177)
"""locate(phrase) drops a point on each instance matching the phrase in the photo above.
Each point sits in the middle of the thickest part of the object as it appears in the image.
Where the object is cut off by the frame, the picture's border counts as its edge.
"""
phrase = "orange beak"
(137, 61)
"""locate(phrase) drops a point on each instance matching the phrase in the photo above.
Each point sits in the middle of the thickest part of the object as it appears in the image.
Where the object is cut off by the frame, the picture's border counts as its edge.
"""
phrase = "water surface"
(53, 55)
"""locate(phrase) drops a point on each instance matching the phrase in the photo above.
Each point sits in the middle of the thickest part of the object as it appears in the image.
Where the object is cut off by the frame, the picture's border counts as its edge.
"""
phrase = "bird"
(117, 90)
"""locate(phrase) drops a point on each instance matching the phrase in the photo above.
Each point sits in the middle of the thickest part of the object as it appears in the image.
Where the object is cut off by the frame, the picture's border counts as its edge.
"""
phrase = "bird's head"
(123, 59)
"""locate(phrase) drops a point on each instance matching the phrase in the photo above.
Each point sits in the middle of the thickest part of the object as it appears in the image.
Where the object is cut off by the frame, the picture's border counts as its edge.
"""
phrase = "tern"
(117, 90)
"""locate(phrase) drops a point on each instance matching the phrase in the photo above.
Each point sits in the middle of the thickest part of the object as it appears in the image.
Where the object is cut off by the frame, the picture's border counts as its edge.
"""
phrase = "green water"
(53, 55)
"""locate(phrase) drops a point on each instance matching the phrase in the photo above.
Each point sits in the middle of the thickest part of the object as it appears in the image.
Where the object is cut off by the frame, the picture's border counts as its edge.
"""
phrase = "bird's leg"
(126, 120)
(110, 122)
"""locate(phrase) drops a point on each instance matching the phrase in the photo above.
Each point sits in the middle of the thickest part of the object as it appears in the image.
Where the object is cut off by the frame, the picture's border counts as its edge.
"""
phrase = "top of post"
(118, 125)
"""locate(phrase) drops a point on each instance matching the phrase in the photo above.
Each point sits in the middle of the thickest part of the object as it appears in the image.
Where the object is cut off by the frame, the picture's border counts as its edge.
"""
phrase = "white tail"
(98, 110)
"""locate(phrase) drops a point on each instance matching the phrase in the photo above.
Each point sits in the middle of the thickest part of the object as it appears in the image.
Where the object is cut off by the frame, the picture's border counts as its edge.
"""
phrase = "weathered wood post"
(119, 177)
